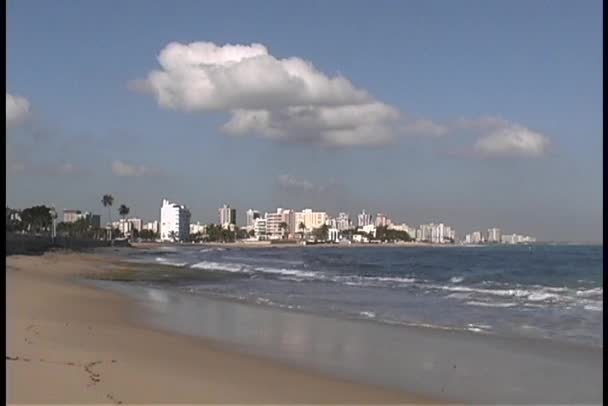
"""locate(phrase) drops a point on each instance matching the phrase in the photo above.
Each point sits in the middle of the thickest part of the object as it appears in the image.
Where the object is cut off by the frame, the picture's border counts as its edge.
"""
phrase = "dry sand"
(68, 343)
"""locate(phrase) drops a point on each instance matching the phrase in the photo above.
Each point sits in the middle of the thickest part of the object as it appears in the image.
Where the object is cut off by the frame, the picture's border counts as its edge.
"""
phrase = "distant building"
(198, 228)
(494, 235)
(369, 229)
(343, 222)
(411, 231)
(259, 228)
(310, 219)
(333, 234)
(364, 219)
(72, 216)
(227, 216)
(151, 226)
(273, 225)
(252, 215)
(436, 233)
(476, 237)
(382, 220)
(174, 221)
(288, 217)
(136, 224)
(94, 220)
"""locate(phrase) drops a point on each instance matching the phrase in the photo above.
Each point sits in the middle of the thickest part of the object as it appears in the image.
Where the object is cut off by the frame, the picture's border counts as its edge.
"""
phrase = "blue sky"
(533, 67)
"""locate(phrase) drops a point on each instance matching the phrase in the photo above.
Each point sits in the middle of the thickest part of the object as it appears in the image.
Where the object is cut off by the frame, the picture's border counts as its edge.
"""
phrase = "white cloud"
(512, 141)
(290, 100)
(500, 138)
(282, 99)
(17, 109)
(120, 168)
(424, 127)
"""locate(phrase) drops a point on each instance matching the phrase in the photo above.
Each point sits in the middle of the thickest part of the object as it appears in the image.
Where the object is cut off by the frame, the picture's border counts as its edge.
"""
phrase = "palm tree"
(107, 201)
(173, 235)
(123, 210)
(301, 227)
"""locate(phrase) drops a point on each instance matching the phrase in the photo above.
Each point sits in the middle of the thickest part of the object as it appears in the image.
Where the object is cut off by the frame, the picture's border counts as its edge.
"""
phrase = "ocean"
(547, 292)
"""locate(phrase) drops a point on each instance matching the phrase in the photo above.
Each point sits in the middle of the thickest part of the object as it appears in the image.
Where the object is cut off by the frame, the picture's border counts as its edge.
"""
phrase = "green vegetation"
(80, 229)
(284, 229)
(321, 233)
(385, 234)
(36, 219)
(123, 211)
(107, 201)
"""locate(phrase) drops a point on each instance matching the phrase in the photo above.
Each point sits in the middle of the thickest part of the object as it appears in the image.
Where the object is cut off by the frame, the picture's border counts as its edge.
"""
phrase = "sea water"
(491, 325)
(552, 292)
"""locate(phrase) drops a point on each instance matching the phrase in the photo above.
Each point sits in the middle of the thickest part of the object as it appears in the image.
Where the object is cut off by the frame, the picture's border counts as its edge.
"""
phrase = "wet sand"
(69, 343)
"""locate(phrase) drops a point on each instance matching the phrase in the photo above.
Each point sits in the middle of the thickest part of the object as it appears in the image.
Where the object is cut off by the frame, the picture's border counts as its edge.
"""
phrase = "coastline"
(265, 244)
(84, 344)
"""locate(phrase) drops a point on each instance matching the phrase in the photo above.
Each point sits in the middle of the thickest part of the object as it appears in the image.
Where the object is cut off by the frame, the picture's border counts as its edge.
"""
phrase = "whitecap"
(456, 279)
(590, 292)
(459, 295)
(487, 304)
(594, 308)
(541, 296)
(217, 266)
(165, 261)
(289, 272)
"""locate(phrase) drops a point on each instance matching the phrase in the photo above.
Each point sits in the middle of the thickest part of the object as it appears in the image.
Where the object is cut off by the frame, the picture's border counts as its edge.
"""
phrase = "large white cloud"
(17, 109)
(501, 138)
(290, 100)
(282, 99)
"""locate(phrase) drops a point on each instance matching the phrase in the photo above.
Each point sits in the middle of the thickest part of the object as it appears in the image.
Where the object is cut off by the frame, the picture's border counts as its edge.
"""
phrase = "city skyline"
(449, 123)
(310, 218)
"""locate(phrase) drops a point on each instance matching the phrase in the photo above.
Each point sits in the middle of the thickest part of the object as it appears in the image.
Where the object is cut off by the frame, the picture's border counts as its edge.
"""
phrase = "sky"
(472, 113)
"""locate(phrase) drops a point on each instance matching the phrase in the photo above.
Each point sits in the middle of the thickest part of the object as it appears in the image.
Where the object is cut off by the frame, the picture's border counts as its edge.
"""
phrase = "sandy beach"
(69, 343)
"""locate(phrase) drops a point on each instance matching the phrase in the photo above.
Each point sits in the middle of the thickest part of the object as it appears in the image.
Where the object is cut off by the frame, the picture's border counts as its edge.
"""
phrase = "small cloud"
(512, 141)
(290, 182)
(500, 138)
(120, 168)
(17, 110)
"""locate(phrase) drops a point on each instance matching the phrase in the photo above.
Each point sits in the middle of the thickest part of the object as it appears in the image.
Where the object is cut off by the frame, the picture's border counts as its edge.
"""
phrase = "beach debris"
(113, 399)
(93, 376)
(17, 358)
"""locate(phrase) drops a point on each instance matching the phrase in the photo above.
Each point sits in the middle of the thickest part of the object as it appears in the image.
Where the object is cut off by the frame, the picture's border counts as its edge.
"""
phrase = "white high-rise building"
(364, 219)
(174, 222)
(310, 219)
(476, 237)
(343, 222)
(251, 216)
(259, 228)
(494, 235)
(273, 225)
(382, 220)
(227, 216)
(288, 216)
(136, 223)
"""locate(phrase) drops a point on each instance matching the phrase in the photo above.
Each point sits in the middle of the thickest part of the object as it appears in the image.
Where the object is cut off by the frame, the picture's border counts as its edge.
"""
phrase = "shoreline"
(84, 341)
(264, 244)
